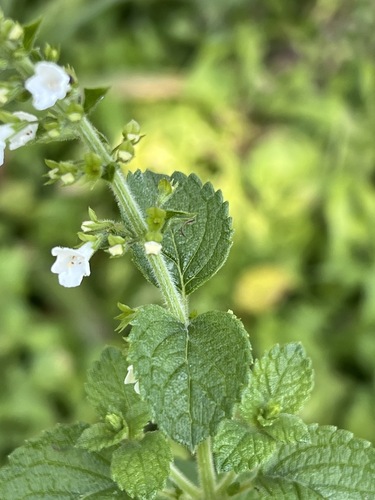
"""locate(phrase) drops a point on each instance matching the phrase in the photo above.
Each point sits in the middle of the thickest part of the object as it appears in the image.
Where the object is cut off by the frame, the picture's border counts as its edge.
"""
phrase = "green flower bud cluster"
(155, 221)
(131, 136)
(105, 234)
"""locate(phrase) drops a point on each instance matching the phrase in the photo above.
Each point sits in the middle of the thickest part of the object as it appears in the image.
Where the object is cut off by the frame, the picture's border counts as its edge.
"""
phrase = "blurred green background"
(274, 103)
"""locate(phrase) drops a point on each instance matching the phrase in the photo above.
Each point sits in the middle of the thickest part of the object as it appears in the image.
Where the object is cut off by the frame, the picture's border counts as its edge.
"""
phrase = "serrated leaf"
(280, 382)
(92, 97)
(30, 32)
(288, 428)
(334, 464)
(280, 489)
(101, 435)
(51, 467)
(107, 392)
(195, 251)
(238, 447)
(142, 467)
(191, 376)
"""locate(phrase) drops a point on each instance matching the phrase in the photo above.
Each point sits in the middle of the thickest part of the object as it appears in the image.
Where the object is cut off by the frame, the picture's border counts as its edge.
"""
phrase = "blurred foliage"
(273, 102)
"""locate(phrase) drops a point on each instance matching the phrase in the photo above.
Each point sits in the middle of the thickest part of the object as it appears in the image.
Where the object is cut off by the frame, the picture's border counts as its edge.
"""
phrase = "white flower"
(87, 226)
(5, 132)
(116, 250)
(67, 179)
(72, 265)
(49, 84)
(152, 248)
(27, 133)
(17, 138)
(130, 379)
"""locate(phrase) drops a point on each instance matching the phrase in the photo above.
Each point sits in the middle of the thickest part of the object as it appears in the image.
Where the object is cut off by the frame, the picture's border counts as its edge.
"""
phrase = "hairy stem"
(206, 470)
(223, 484)
(173, 299)
(184, 483)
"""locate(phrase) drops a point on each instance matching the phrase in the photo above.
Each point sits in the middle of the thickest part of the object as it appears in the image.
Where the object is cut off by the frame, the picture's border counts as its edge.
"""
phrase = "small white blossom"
(72, 265)
(49, 84)
(130, 379)
(16, 139)
(67, 179)
(27, 133)
(87, 226)
(152, 248)
(116, 250)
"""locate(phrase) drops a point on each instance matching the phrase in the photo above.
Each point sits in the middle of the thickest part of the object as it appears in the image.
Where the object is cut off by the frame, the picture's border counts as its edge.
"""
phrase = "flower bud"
(125, 152)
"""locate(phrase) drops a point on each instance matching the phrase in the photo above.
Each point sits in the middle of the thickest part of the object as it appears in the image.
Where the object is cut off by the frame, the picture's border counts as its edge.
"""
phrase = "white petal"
(2, 148)
(23, 136)
(72, 265)
(49, 84)
(152, 248)
(130, 379)
(86, 250)
(70, 280)
(5, 131)
(27, 117)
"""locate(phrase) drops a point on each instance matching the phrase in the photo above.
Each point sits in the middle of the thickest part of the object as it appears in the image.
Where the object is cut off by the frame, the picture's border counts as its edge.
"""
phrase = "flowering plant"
(182, 379)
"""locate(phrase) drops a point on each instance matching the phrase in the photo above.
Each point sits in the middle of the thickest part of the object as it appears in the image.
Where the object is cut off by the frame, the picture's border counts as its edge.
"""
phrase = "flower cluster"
(49, 84)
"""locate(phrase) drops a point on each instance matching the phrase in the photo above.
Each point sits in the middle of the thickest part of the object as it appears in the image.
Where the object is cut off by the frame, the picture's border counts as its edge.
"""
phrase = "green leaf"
(108, 394)
(125, 317)
(238, 447)
(191, 376)
(196, 250)
(288, 428)
(142, 467)
(101, 435)
(30, 32)
(280, 382)
(51, 467)
(92, 97)
(279, 488)
(334, 464)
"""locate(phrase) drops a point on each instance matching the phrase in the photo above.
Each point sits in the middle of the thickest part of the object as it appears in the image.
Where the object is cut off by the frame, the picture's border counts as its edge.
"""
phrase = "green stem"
(128, 204)
(225, 481)
(184, 483)
(91, 138)
(206, 469)
(167, 494)
(173, 299)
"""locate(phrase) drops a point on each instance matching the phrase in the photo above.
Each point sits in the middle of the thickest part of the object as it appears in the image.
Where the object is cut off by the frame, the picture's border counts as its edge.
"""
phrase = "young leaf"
(92, 97)
(280, 382)
(30, 32)
(101, 435)
(192, 376)
(108, 394)
(195, 250)
(52, 467)
(238, 447)
(142, 467)
(288, 428)
(334, 464)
